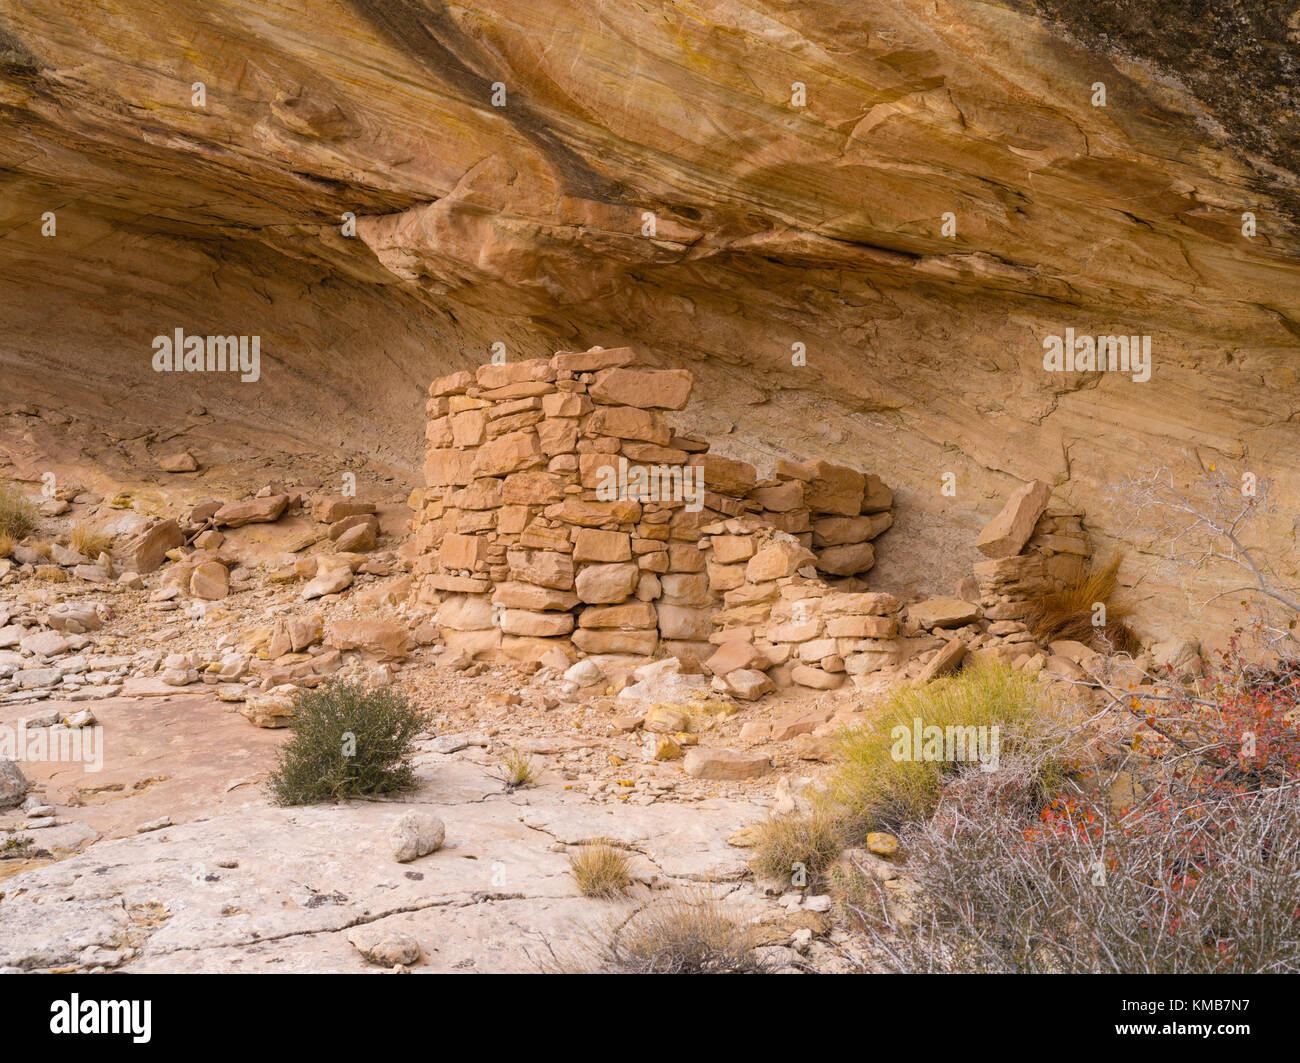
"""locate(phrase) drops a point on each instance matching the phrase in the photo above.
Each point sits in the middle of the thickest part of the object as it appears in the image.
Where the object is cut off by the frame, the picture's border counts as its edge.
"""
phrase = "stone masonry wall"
(563, 511)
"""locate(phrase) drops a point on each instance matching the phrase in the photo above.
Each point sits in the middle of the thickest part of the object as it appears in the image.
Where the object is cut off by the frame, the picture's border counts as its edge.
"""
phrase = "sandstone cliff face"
(651, 179)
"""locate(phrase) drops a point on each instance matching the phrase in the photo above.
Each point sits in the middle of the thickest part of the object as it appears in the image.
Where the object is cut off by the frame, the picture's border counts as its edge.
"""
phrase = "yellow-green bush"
(874, 788)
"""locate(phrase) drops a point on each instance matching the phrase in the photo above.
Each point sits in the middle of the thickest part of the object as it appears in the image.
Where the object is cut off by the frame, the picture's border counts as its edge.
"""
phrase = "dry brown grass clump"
(6, 544)
(688, 933)
(1068, 613)
(600, 870)
(807, 841)
(89, 542)
(17, 513)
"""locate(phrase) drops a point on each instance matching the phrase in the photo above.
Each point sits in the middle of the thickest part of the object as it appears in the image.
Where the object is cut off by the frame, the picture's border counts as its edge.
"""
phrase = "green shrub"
(17, 513)
(872, 789)
(348, 741)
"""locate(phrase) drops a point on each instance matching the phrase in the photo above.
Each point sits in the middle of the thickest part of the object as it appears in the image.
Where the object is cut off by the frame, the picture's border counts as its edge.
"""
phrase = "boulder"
(348, 523)
(664, 719)
(947, 659)
(748, 684)
(1183, 656)
(1006, 534)
(273, 709)
(46, 644)
(384, 947)
(725, 764)
(734, 655)
(379, 638)
(357, 540)
(585, 674)
(146, 551)
(815, 678)
(181, 461)
(415, 834)
(210, 581)
(329, 509)
(74, 617)
(333, 574)
(251, 511)
(13, 784)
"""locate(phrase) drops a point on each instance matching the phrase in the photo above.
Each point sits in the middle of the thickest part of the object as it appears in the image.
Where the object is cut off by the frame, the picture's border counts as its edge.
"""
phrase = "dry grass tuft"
(517, 769)
(6, 544)
(688, 933)
(17, 513)
(809, 839)
(1068, 613)
(600, 870)
(90, 542)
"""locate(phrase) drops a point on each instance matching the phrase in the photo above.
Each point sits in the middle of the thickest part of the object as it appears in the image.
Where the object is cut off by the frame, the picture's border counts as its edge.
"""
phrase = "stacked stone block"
(782, 619)
(1032, 551)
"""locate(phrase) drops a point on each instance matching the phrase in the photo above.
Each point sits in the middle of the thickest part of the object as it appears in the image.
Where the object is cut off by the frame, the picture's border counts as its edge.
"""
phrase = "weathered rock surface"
(290, 889)
(936, 207)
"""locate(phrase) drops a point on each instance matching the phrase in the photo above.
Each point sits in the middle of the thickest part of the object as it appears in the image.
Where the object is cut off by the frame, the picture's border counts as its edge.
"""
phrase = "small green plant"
(17, 513)
(516, 769)
(600, 869)
(89, 542)
(875, 789)
(17, 849)
(348, 741)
